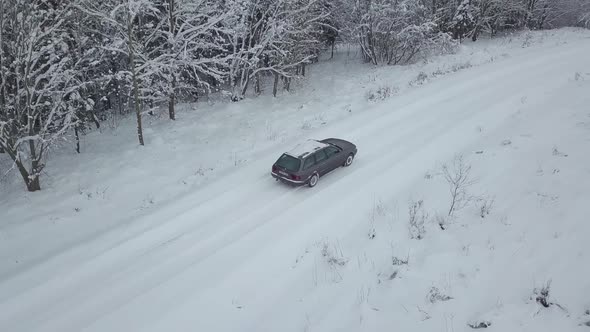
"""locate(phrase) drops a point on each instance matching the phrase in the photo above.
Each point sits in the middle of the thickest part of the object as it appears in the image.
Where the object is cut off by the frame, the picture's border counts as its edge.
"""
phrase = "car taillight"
(274, 168)
(295, 177)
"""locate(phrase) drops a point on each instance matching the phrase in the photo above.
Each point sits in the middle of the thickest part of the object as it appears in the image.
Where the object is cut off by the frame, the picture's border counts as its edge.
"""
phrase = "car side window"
(308, 162)
(320, 156)
(331, 151)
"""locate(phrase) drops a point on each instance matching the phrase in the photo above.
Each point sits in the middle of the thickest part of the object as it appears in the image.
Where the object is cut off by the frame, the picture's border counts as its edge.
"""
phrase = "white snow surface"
(306, 147)
(190, 233)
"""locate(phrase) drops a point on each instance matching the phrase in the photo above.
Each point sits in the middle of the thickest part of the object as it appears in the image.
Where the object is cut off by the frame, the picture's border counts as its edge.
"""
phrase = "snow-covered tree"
(41, 89)
(330, 25)
(495, 15)
(132, 27)
(195, 36)
(271, 36)
(463, 23)
(392, 32)
(557, 13)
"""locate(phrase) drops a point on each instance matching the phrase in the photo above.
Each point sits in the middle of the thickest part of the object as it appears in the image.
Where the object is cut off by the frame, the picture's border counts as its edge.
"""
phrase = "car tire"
(313, 180)
(349, 160)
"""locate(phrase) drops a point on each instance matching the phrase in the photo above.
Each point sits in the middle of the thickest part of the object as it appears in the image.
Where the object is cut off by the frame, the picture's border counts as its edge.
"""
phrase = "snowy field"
(191, 233)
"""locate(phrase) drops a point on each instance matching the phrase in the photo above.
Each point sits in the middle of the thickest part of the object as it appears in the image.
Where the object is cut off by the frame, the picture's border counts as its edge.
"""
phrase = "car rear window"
(288, 162)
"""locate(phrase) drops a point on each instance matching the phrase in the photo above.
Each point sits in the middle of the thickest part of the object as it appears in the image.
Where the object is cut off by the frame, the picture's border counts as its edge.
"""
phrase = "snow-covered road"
(224, 257)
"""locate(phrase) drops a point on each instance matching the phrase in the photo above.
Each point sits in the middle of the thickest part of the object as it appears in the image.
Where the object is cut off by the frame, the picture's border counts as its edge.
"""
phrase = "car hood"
(344, 145)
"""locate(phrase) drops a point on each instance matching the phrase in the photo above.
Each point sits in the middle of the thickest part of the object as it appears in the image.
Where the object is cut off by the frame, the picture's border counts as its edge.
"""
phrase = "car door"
(322, 165)
(308, 166)
(335, 158)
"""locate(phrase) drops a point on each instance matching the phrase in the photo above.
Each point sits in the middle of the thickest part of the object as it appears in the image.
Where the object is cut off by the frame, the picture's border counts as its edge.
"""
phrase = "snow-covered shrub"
(458, 177)
(363, 294)
(399, 261)
(333, 254)
(479, 324)
(435, 295)
(379, 210)
(306, 125)
(541, 295)
(391, 32)
(420, 79)
(425, 315)
(586, 318)
(464, 20)
(527, 39)
(89, 194)
(485, 206)
(417, 219)
(461, 66)
(558, 153)
(441, 44)
(271, 133)
(441, 220)
(382, 93)
(506, 142)
(585, 19)
(372, 233)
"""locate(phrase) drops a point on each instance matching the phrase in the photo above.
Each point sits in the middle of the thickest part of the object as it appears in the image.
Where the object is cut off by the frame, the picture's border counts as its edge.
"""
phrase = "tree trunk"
(287, 83)
(33, 178)
(137, 108)
(257, 88)
(119, 97)
(529, 13)
(31, 185)
(332, 53)
(77, 139)
(543, 16)
(134, 78)
(371, 47)
(275, 85)
(172, 101)
(3, 92)
(95, 119)
(34, 184)
(245, 87)
(303, 69)
(24, 173)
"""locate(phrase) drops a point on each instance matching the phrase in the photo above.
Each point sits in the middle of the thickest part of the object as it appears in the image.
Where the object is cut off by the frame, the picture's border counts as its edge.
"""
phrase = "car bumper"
(287, 180)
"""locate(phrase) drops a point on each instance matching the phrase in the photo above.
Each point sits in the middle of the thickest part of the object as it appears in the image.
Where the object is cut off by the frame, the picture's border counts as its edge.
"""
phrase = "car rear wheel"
(349, 160)
(313, 180)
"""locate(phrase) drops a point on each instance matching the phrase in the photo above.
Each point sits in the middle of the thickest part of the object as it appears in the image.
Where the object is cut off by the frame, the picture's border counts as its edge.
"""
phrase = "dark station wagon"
(307, 162)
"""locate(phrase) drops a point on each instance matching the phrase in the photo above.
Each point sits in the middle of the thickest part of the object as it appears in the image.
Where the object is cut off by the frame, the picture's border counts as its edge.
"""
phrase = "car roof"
(303, 149)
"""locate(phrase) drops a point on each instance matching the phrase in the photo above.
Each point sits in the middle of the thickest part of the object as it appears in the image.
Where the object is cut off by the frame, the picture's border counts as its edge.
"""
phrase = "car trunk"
(287, 166)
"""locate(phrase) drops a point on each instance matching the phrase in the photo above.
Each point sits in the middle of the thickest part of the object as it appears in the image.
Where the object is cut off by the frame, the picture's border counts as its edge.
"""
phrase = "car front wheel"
(349, 160)
(313, 180)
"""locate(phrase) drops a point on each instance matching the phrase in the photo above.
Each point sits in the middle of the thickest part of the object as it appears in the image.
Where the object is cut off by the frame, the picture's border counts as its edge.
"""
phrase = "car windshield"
(288, 162)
